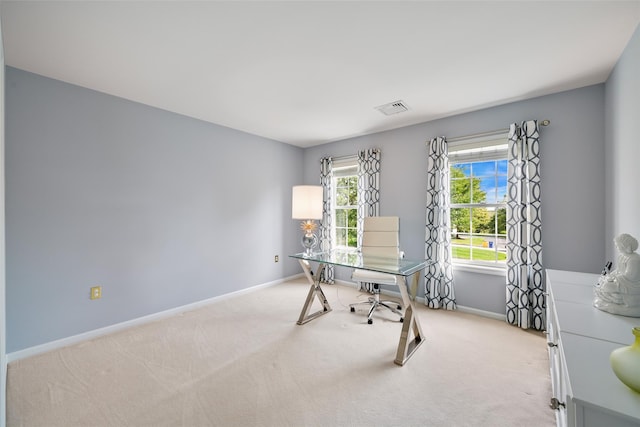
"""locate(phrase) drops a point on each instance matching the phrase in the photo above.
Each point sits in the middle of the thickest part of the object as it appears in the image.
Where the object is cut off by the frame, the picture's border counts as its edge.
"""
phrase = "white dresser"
(585, 390)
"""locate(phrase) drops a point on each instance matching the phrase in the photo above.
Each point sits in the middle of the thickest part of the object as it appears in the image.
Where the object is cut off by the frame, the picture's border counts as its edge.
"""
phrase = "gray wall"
(3, 330)
(159, 209)
(622, 106)
(572, 151)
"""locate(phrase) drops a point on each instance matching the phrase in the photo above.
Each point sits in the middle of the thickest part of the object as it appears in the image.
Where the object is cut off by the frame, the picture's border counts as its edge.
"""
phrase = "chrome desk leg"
(415, 278)
(407, 347)
(314, 291)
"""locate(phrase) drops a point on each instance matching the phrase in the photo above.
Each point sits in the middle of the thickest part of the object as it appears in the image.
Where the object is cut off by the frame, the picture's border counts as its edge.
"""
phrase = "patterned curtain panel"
(368, 192)
(326, 176)
(438, 275)
(525, 274)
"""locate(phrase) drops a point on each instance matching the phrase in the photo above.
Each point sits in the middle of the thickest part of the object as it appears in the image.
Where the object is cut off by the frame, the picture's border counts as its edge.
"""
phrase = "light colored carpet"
(244, 362)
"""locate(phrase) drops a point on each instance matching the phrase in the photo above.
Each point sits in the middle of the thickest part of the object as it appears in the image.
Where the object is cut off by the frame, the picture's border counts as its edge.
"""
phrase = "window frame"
(487, 147)
(343, 168)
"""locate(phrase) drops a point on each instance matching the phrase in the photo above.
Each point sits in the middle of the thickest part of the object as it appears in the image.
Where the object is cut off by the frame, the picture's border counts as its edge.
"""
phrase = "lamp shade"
(306, 202)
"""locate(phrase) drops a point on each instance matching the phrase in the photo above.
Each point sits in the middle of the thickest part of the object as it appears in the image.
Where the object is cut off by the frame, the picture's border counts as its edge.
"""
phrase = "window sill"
(496, 271)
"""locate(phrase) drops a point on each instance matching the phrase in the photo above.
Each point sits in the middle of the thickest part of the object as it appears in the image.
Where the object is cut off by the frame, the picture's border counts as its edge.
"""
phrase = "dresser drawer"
(580, 337)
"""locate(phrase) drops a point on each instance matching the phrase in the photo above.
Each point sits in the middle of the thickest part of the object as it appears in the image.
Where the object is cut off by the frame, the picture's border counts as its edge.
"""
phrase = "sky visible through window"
(492, 175)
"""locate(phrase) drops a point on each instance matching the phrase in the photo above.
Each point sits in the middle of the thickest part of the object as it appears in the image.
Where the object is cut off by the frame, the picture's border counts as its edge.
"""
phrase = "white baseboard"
(460, 308)
(347, 283)
(54, 345)
(482, 313)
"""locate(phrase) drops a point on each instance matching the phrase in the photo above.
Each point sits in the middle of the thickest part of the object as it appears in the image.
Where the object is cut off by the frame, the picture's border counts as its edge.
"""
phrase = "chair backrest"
(380, 236)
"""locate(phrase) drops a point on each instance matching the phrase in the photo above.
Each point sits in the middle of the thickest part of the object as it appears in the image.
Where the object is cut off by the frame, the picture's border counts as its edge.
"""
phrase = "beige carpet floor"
(244, 362)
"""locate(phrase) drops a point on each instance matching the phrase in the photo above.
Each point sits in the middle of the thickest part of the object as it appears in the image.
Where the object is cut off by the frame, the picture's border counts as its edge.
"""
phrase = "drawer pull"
(552, 344)
(556, 404)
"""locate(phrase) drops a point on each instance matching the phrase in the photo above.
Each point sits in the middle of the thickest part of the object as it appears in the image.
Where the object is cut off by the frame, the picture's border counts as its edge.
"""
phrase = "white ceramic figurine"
(618, 292)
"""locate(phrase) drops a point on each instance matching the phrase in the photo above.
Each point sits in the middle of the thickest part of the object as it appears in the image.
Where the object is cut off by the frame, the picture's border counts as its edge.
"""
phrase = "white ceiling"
(306, 73)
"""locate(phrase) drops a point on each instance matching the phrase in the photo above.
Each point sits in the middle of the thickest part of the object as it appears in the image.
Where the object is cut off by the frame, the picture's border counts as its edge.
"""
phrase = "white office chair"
(380, 238)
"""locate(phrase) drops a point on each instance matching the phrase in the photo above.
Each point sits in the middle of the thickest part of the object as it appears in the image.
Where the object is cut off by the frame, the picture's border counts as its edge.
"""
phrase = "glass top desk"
(400, 267)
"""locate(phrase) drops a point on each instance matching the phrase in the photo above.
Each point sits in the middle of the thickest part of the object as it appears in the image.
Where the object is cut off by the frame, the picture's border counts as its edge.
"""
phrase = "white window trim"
(481, 269)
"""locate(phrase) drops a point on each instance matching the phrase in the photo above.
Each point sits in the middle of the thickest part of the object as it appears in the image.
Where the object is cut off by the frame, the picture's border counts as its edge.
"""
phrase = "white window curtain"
(326, 176)
(368, 192)
(525, 274)
(439, 291)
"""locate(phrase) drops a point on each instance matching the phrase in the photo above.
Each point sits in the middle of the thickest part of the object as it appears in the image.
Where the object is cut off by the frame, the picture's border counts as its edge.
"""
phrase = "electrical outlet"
(96, 292)
(276, 258)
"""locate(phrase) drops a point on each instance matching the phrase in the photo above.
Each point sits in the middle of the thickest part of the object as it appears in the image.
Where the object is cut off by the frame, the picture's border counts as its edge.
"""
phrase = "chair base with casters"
(375, 303)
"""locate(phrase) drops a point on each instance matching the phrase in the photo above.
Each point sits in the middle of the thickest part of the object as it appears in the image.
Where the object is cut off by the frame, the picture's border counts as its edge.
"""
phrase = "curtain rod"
(334, 159)
(544, 122)
(350, 156)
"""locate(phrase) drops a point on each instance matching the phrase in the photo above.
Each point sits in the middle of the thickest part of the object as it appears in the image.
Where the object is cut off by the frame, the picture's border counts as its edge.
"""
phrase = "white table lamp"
(306, 204)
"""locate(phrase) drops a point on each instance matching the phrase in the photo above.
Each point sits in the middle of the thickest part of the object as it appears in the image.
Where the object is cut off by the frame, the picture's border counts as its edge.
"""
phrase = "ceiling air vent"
(393, 108)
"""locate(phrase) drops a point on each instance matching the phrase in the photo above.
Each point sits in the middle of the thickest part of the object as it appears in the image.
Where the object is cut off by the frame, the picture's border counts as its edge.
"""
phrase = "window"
(478, 185)
(345, 203)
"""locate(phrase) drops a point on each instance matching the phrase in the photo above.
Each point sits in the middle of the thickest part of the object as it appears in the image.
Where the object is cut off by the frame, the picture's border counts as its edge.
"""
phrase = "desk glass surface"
(355, 259)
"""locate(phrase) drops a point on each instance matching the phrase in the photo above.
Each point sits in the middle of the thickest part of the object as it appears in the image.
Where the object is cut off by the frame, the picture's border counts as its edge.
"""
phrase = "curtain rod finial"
(545, 122)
